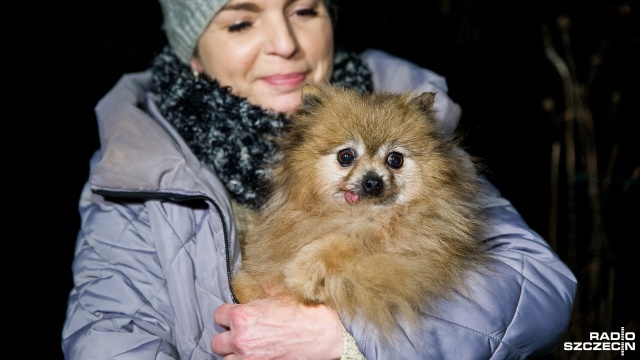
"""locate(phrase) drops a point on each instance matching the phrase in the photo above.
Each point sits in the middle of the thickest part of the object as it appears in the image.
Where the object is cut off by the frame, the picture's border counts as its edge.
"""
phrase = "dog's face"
(360, 170)
(350, 149)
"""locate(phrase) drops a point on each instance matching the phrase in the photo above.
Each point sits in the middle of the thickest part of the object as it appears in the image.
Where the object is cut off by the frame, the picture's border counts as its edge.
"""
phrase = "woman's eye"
(239, 26)
(346, 157)
(311, 12)
(395, 160)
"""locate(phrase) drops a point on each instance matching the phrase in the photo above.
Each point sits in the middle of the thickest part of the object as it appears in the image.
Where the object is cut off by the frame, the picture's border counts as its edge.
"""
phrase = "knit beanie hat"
(184, 22)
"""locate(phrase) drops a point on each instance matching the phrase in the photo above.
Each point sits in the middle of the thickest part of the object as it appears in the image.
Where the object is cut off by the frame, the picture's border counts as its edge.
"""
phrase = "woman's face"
(265, 50)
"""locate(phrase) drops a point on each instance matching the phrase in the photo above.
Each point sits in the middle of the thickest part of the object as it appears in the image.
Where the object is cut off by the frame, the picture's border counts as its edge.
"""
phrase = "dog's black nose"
(372, 184)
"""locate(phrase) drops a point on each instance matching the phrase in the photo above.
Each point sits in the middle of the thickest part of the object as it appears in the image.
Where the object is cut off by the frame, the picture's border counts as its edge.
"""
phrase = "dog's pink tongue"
(350, 197)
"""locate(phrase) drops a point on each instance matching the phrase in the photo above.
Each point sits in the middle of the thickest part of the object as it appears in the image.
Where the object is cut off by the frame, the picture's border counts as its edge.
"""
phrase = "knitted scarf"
(227, 132)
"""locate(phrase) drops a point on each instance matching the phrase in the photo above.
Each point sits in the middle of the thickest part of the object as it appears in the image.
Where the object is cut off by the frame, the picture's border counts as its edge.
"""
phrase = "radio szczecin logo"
(613, 341)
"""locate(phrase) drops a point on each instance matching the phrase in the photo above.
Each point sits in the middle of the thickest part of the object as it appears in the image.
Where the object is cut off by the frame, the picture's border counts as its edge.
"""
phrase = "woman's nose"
(281, 39)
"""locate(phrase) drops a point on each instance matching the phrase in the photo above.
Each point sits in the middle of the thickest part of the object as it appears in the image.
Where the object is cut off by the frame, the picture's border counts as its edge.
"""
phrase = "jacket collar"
(158, 161)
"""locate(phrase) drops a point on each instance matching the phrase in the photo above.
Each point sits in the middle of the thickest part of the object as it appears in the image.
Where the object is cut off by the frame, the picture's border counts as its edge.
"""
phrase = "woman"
(157, 242)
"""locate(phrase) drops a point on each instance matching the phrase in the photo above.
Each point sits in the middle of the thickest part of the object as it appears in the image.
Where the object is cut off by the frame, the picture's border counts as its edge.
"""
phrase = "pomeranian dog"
(373, 210)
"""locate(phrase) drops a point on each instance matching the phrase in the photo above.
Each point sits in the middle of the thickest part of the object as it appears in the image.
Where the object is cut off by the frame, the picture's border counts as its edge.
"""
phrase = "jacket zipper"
(177, 198)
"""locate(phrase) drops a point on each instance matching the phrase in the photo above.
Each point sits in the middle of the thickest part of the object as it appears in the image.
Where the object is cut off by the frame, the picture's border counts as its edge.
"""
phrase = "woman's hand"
(277, 328)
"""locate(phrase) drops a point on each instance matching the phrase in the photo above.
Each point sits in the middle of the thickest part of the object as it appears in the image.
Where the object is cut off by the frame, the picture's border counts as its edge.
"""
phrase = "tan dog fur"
(380, 255)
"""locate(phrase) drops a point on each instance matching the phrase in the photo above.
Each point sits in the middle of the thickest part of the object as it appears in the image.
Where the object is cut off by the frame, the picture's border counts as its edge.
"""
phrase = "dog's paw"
(306, 279)
(246, 288)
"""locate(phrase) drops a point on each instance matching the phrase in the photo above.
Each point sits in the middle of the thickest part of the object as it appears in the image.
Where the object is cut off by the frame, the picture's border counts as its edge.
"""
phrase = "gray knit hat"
(184, 22)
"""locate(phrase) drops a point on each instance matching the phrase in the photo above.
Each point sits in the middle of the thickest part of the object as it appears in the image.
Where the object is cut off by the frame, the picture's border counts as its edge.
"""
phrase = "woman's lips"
(292, 80)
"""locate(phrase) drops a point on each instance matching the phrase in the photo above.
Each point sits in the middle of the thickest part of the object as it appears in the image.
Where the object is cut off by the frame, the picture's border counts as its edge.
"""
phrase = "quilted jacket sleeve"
(113, 310)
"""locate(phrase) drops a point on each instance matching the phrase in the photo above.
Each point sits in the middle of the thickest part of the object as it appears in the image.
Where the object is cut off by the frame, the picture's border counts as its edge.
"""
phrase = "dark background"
(491, 53)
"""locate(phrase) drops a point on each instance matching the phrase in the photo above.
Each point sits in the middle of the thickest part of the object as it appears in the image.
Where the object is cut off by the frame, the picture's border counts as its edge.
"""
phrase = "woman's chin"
(285, 103)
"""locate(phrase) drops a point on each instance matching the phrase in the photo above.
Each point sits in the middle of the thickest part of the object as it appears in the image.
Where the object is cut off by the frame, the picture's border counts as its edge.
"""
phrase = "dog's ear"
(425, 101)
(311, 96)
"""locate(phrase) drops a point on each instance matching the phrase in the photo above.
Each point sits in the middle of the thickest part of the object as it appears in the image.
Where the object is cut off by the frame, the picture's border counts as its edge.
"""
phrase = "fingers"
(221, 344)
(277, 328)
(222, 315)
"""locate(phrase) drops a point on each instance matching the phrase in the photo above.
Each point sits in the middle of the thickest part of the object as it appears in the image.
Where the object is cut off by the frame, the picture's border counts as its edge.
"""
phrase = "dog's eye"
(346, 157)
(395, 160)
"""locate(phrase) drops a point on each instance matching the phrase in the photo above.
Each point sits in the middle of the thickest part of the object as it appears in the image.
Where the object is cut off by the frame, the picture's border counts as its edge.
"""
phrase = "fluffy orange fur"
(373, 210)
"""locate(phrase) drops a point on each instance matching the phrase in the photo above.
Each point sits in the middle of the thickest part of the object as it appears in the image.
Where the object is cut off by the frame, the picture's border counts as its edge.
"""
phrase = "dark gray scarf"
(226, 131)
